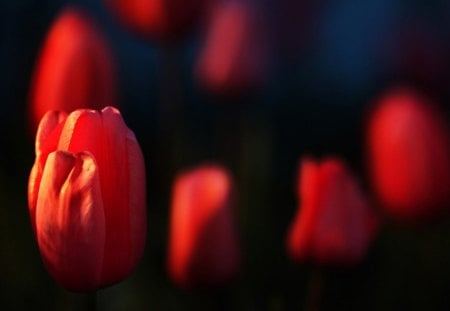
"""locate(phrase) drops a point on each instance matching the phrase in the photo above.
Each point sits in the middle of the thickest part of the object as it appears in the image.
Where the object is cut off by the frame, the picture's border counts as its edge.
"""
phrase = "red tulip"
(87, 198)
(409, 156)
(162, 19)
(334, 224)
(203, 246)
(233, 57)
(75, 68)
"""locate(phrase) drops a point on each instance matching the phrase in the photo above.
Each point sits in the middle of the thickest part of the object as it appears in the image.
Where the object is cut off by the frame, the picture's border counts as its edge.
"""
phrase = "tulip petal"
(46, 134)
(46, 141)
(331, 230)
(181, 236)
(365, 224)
(34, 182)
(215, 254)
(82, 132)
(114, 166)
(203, 248)
(137, 197)
(301, 232)
(70, 220)
(334, 224)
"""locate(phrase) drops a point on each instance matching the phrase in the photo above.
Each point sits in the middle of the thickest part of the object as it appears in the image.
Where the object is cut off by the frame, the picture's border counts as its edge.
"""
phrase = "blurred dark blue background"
(329, 60)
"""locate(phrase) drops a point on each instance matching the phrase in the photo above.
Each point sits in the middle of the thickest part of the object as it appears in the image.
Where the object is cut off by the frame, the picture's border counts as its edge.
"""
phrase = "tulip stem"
(315, 288)
(91, 301)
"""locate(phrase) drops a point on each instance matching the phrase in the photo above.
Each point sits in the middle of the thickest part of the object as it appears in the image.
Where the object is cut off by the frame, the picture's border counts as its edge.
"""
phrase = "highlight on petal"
(46, 128)
(299, 239)
(82, 131)
(70, 220)
(34, 183)
(46, 141)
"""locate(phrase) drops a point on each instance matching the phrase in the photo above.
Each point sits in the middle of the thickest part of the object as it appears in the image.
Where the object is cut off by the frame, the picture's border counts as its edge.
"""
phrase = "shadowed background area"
(327, 62)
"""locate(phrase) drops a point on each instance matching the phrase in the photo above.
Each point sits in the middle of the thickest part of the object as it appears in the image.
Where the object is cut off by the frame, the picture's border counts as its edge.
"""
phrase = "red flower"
(203, 246)
(409, 156)
(233, 58)
(75, 68)
(87, 198)
(334, 224)
(162, 19)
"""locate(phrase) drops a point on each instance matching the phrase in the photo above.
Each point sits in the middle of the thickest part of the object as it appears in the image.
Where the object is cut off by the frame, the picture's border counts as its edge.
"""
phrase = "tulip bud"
(75, 68)
(203, 245)
(334, 224)
(409, 156)
(86, 197)
(161, 19)
(233, 57)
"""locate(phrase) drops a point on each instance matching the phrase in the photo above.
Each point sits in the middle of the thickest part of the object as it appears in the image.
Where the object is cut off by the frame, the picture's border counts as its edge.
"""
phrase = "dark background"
(329, 60)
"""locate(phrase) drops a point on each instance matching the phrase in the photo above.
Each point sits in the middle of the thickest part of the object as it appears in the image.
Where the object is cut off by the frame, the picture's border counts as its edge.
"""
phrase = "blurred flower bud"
(334, 224)
(75, 68)
(203, 245)
(234, 55)
(161, 19)
(409, 156)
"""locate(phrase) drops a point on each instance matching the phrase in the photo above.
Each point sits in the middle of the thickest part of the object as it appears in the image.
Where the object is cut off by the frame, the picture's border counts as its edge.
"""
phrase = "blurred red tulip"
(161, 19)
(233, 57)
(203, 246)
(86, 197)
(409, 156)
(334, 224)
(75, 68)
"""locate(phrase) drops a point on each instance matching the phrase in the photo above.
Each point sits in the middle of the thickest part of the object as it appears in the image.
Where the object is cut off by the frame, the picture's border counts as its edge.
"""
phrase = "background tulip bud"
(233, 56)
(75, 68)
(409, 156)
(87, 198)
(334, 224)
(162, 19)
(203, 245)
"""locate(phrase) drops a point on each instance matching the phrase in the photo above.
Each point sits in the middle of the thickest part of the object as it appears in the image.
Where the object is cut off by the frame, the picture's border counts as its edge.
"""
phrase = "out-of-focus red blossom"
(75, 68)
(161, 19)
(334, 224)
(234, 55)
(203, 245)
(409, 156)
(87, 199)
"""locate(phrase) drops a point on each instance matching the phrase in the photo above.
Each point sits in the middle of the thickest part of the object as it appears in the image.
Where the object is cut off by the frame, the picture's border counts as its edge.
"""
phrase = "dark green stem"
(315, 289)
(91, 301)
